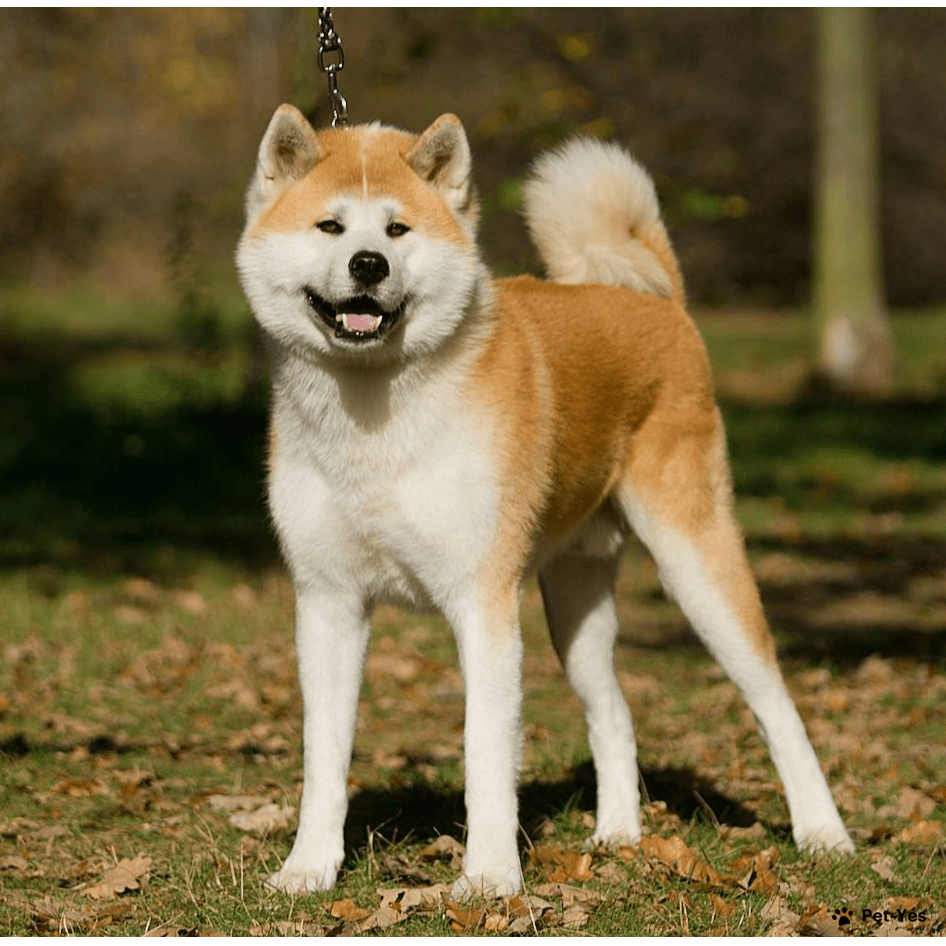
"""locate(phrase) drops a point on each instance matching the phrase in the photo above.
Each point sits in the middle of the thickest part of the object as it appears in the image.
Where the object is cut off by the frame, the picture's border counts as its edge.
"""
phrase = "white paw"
(833, 838)
(627, 836)
(616, 833)
(294, 877)
(487, 884)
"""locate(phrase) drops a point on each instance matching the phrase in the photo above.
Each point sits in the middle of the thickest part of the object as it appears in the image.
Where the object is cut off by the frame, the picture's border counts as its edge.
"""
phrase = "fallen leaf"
(14, 863)
(922, 832)
(674, 854)
(755, 832)
(560, 865)
(911, 804)
(784, 921)
(462, 918)
(50, 916)
(754, 872)
(80, 787)
(127, 875)
(406, 899)
(526, 914)
(721, 907)
(445, 848)
(815, 921)
(884, 868)
(380, 919)
(568, 894)
(403, 868)
(263, 820)
(347, 909)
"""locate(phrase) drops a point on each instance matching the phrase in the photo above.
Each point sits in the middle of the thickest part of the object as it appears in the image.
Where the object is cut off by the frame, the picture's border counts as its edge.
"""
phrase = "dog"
(436, 436)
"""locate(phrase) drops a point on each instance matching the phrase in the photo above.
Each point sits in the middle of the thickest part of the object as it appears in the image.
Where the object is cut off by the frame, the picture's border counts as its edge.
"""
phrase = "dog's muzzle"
(362, 317)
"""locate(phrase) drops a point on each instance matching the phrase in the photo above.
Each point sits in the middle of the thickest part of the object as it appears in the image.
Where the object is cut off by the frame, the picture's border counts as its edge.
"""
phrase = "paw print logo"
(842, 917)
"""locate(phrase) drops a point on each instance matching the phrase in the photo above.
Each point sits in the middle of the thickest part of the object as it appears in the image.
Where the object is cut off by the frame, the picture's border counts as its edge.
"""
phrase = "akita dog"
(437, 435)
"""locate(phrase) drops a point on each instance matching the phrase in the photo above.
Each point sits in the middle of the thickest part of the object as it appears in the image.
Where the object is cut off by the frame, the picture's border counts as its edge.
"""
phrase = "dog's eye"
(397, 229)
(330, 226)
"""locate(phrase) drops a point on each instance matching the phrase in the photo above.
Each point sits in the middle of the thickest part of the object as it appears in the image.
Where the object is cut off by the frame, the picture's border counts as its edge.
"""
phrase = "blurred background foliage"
(132, 385)
(129, 135)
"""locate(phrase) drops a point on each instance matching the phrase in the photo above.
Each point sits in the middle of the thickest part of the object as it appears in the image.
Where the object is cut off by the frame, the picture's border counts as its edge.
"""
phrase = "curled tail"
(593, 214)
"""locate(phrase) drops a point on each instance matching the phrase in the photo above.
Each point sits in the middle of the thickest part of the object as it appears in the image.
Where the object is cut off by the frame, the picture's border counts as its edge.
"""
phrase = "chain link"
(331, 62)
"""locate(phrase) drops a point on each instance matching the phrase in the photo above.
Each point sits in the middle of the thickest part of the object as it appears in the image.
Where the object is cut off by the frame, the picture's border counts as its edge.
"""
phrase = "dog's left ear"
(441, 156)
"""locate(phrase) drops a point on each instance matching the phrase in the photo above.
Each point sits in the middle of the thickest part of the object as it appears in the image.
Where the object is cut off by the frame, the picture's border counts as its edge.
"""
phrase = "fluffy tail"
(593, 214)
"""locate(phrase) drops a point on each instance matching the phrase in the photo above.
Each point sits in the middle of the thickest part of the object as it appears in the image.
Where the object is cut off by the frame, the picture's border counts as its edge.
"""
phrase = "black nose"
(368, 268)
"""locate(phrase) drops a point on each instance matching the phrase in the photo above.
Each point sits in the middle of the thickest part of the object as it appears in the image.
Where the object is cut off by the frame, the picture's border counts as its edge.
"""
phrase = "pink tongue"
(363, 323)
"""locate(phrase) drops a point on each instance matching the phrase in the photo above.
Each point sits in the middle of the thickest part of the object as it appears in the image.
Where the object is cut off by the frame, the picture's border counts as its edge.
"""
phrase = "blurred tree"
(855, 352)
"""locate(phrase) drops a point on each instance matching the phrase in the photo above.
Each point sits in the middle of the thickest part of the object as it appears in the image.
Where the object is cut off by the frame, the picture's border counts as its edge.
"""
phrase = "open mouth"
(358, 319)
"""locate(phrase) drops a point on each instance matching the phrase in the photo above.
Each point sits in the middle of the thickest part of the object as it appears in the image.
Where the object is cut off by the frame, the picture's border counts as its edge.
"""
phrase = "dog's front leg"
(490, 650)
(331, 640)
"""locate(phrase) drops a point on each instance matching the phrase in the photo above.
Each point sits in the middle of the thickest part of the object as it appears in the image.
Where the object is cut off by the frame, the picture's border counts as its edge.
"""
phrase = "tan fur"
(369, 160)
(563, 455)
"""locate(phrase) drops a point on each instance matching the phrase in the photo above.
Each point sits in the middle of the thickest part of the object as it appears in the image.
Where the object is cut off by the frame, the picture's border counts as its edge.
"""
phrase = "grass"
(149, 713)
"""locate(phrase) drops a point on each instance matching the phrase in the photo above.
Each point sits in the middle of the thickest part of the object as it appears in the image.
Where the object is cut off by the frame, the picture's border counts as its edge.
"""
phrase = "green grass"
(147, 664)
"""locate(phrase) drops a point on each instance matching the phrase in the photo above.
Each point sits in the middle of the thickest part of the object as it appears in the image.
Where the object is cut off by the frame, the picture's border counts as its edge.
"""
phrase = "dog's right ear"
(289, 149)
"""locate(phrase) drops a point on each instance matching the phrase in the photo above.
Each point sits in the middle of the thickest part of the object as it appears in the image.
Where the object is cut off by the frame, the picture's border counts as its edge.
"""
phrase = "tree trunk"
(855, 347)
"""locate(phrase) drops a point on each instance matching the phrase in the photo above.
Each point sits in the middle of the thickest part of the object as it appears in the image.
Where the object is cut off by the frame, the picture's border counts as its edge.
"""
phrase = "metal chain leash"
(330, 48)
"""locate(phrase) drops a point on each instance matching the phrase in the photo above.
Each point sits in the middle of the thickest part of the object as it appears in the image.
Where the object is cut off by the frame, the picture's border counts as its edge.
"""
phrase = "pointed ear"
(441, 156)
(288, 150)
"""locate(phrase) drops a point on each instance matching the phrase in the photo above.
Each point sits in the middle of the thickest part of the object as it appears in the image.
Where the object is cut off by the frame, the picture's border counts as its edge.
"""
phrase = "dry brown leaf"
(754, 872)
(50, 916)
(884, 867)
(574, 866)
(445, 848)
(302, 926)
(720, 906)
(755, 832)
(816, 921)
(911, 803)
(526, 913)
(408, 899)
(922, 832)
(674, 853)
(568, 894)
(14, 864)
(348, 910)
(562, 866)
(80, 787)
(909, 904)
(263, 820)
(128, 874)
(380, 919)
(461, 918)
(576, 916)
(784, 921)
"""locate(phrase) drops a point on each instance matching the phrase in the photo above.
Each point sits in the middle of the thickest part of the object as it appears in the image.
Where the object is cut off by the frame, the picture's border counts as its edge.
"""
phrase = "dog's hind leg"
(578, 592)
(676, 494)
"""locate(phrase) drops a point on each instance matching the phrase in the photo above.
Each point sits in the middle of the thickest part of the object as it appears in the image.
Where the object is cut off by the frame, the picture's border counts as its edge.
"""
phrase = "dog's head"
(360, 242)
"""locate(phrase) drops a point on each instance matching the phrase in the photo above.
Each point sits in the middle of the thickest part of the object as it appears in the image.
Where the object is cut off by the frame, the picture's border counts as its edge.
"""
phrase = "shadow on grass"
(124, 484)
(422, 811)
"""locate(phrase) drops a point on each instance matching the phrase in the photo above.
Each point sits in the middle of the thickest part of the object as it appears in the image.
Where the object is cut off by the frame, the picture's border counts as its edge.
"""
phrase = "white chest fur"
(382, 482)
